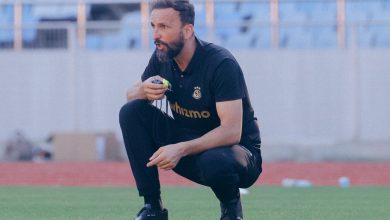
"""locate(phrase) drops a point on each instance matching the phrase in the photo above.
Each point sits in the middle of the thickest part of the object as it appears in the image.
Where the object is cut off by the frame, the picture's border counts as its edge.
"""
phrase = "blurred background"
(318, 72)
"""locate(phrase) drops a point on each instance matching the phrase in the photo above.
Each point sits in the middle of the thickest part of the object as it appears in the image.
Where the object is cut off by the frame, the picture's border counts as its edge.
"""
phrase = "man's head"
(173, 23)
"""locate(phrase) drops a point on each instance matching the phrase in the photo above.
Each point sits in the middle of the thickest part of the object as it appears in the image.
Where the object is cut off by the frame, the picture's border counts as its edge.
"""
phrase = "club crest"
(197, 94)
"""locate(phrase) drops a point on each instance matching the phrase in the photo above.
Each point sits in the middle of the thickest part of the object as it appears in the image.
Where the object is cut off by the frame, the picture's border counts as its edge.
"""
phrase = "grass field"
(197, 203)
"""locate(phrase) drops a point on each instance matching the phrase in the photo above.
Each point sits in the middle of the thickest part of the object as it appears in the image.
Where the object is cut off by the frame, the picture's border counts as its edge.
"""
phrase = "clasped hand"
(153, 91)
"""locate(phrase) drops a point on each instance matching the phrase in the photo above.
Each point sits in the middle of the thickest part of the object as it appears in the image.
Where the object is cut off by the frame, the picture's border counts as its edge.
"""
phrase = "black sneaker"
(231, 210)
(147, 213)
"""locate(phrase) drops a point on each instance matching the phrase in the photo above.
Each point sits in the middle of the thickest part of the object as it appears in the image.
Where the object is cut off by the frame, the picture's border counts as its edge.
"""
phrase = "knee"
(130, 110)
(219, 168)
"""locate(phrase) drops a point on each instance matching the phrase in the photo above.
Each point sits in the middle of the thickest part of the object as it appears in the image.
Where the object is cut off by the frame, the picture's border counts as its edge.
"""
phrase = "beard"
(173, 49)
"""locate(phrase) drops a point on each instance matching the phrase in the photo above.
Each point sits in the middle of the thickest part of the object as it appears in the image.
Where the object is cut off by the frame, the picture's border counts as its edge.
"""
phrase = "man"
(213, 138)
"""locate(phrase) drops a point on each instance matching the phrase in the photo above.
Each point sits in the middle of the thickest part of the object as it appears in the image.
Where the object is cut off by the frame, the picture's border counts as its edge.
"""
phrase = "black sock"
(154, 201)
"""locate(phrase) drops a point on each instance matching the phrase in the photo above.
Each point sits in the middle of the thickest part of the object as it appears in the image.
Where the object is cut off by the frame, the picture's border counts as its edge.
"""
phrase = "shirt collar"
(196, 58)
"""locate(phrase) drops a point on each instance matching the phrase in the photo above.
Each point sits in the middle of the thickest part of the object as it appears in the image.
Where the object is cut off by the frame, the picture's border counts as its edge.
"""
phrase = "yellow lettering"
(205, 114)
(195, 114)
(189, 113)
(177, 107)
(186, 113)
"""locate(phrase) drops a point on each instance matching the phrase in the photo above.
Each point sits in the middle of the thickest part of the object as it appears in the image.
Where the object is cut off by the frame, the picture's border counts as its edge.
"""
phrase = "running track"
(118, 174)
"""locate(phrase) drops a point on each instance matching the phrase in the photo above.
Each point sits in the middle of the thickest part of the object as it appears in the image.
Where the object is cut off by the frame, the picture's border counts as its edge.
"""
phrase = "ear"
(188, 31)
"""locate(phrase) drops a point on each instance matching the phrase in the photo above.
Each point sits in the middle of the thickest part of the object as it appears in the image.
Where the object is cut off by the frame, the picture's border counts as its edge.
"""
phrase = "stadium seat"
(375, 10)
(246, 16)
(258, 11)
(300, 29)
(127, 36)
(131, 30)
(375, 36)
(288, 13)
(6, 24)
(256, 37)
(30, 22)
(323, 37)
(294, 37)
(200, 20)
(318, 11)
(238, 24)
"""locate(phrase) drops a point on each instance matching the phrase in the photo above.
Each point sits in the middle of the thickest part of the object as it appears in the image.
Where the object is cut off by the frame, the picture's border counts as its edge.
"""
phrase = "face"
(167, 33)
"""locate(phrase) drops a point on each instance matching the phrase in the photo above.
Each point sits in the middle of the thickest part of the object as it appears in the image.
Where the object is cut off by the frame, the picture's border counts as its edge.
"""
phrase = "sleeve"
(228, 81)
(152, 68)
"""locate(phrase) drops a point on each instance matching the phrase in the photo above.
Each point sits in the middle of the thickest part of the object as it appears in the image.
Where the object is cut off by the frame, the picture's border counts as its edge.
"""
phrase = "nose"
(156, 34)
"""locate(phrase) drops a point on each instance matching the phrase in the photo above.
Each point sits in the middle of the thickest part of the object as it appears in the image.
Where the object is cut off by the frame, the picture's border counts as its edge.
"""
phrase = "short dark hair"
(184, 7)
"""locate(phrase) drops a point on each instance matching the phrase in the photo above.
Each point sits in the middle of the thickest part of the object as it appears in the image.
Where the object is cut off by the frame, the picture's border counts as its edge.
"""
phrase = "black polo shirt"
(213, 75)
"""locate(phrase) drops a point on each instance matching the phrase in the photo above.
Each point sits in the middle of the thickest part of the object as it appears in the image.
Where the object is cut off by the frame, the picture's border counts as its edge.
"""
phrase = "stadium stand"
(319, 30)
(237, 24)
(127, 35)
(317, 11)
(124, 35)
(34, 36)
(367, 13)
(251, 29)
(30, 21)
(374, 10)
(200, 20)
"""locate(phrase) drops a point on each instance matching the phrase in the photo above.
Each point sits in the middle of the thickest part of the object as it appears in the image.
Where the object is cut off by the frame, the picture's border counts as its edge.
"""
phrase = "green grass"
(197, 203)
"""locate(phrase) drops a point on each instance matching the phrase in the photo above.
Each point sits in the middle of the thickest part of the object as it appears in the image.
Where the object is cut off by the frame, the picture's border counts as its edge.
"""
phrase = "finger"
(155, 97)
(154, 77)
(167, 166)
(158, 77)
(149, 85)
(152, 80)
(155, 86)
(153, 90)
(163, 163)
(153, 162)
(156, 154)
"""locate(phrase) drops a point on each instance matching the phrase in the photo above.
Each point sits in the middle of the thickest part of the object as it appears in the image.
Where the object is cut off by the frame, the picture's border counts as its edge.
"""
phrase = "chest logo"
(197, 94)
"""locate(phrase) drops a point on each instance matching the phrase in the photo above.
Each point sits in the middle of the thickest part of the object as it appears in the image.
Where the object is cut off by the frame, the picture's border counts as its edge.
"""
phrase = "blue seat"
(258, 11)
(370, 35)
(294, 37)
(30, 23)
(382, 36)
(323, 37)
(374, 10)
(6, 24)
(299, 35)
(318, 10)
(131, 30)
(377, 36)
(245, 16)
(200, 20)
(289, 13)
(256, 37)
(127, 36)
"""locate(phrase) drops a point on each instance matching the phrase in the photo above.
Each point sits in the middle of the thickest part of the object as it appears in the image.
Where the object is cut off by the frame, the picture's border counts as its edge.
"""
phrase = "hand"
(167, 157)
(153, 91)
